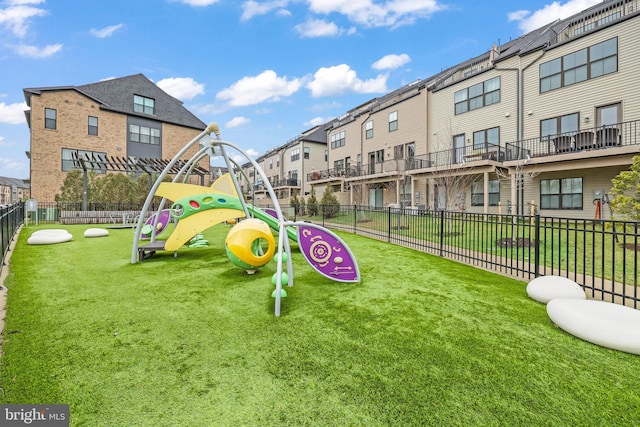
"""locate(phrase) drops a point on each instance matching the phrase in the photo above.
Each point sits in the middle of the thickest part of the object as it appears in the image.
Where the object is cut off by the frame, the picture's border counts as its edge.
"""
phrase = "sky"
(265, 71)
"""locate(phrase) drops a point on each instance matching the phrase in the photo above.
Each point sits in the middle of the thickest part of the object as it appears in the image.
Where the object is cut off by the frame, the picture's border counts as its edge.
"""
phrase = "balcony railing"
(598, 138)
(584, 140)
(458, 156)
(389, 166)
(607, 13)
(287, 182)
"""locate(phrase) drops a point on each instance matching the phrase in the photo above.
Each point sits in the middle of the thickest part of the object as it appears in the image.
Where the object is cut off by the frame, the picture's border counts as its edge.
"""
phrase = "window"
(337, 139)
(271, 164)
(584, 64)
(398, 152)
(483, 139)
(559, 125)
(477, 193)
(368, 126)
(410, 150)
(144, 134)
(563, 193)
(603, 58)
(307, 151)
(338, 165)
(68, 156)
(393, 121)
(50, 118)
(93, 126)
(477, 96)
(326, 155)
(575, 67)
(143, 104)
(295, 154)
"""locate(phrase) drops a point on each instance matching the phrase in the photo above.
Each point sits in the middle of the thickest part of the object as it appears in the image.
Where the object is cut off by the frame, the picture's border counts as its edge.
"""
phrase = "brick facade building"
(123, 117)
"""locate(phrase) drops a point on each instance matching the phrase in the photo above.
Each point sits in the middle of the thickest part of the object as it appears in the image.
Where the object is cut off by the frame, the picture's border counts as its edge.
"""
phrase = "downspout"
(520, 195)
(362, 181)
(519, 112)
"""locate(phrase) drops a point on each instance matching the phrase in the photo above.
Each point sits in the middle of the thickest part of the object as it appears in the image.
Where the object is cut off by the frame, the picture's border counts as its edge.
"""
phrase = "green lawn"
(192, 341)
(576, 246)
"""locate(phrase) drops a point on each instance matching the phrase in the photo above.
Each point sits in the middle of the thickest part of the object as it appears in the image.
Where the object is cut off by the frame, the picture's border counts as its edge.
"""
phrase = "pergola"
(150, 166)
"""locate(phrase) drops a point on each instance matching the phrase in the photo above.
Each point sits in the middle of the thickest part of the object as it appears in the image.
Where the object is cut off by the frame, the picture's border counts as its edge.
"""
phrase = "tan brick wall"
(73, 110)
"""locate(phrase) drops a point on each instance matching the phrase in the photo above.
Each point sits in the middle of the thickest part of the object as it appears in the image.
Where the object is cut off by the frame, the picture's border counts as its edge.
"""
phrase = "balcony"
(624, 134)
(379, 168)
(478, 154)
(598, 141)
(287, 182)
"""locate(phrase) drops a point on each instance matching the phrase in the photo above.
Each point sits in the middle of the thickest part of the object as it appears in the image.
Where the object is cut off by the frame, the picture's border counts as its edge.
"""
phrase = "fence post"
(355, 219)
(536, 252)
(389, 224)
(441, 231)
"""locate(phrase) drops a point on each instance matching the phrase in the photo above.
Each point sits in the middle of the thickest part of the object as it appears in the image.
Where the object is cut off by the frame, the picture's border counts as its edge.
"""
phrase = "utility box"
(598, 194)
(31, 205)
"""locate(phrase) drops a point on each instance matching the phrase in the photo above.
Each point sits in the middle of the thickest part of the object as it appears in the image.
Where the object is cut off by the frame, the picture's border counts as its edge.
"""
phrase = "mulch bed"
(520, 242)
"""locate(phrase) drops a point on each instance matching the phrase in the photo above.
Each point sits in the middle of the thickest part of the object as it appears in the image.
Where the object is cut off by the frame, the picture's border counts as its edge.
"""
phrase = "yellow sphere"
(244, 240)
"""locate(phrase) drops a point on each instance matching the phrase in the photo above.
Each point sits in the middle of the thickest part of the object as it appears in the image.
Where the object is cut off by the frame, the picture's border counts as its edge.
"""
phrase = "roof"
(117, 95)
(9, 182)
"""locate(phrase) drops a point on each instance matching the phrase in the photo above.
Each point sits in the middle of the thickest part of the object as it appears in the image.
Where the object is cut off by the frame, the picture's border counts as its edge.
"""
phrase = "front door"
(440, 197)
(458, 148)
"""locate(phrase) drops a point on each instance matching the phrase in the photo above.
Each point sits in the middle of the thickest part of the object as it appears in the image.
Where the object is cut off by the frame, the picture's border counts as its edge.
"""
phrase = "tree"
(72, 188)
(520, 181)
(294, 202)
(626, 192)
(312, 204)
(329, 202)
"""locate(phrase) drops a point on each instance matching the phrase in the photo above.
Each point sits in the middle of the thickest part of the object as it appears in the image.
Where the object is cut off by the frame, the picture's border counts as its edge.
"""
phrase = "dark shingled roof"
(117, 95)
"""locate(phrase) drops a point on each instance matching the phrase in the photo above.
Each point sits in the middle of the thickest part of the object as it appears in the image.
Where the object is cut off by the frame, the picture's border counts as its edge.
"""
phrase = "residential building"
(121, 120)
(287, 167)
(539, 124)
(372, 146)
(13, 190)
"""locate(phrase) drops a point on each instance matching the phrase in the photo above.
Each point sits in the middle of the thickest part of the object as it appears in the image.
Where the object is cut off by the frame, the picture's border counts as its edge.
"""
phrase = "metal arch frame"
(213, 128)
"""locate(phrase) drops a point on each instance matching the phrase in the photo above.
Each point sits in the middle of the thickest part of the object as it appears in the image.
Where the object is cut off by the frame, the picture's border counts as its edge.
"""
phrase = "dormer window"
(143, 104)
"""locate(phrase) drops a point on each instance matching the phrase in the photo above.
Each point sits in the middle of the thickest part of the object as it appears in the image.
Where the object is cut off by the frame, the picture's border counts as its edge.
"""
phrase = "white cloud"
(390, 62)
(239, 158)
(266, 86)
(11, 165)
(340, 79)
(13, 114)
(199, 3)
(29, 51)
(106, 31)
(17, 15)
(317, 28)
(237, 121)
(253, 8)
(316, 121)
(371, 14)
(182, 88)
(530, 21)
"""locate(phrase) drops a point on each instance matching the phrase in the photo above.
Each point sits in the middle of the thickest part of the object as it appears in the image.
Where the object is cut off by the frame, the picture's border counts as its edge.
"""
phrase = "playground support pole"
(147, 202)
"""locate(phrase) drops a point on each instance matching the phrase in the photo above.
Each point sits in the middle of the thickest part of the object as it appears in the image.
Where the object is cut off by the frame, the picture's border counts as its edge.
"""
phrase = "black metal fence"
(601, 255)
(11, 217)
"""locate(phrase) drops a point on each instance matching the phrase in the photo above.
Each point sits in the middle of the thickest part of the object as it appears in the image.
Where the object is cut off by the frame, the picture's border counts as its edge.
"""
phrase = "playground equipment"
(196, 208)
(243, 244)
(158, 221)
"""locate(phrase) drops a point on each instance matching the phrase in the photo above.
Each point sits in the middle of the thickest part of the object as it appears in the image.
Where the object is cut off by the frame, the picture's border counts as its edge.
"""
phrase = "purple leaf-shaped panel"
(328, 254)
